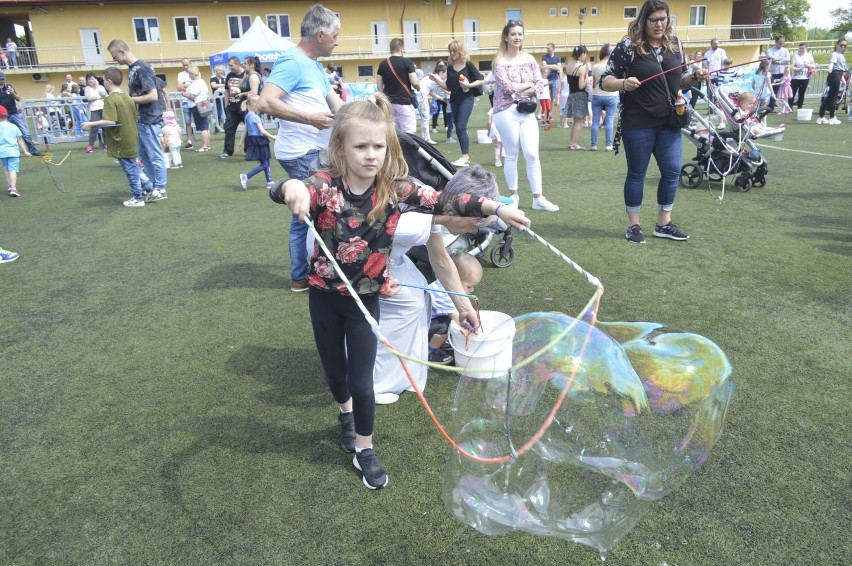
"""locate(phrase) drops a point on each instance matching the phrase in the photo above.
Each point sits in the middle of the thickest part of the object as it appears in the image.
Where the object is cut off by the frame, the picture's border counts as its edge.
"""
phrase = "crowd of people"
(362, 201)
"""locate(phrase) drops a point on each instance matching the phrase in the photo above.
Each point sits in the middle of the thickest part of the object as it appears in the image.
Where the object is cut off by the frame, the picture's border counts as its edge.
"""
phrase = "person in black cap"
(8, 99)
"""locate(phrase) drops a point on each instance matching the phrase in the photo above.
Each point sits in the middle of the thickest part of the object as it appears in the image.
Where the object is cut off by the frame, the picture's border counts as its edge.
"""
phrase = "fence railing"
(364, 47)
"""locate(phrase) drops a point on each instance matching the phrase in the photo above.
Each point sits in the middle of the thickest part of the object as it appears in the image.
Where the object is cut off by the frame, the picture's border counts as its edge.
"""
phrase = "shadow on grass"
(295, 375)
(242, 276)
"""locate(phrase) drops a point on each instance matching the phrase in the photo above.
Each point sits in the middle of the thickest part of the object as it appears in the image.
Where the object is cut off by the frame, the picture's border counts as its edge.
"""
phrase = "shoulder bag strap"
(397, 77)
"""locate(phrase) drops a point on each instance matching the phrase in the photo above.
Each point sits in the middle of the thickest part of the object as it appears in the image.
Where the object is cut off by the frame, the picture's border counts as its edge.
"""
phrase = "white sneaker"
(498, 163)
(834, 122)
(821, 121)
(386, 398)
(516, 199)
(134, 202)
(541, 203)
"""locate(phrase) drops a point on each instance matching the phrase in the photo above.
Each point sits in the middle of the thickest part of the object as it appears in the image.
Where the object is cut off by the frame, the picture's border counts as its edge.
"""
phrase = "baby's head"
(746, 101)
(470, 271)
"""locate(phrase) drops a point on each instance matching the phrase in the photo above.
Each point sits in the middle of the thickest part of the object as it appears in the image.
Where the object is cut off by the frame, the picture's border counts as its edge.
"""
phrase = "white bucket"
(482, 136)
(490, 351)
(804, 114)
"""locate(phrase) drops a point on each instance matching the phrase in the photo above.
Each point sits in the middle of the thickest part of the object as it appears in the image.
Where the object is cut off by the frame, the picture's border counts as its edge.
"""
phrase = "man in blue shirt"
(551, 62)
(298, 93)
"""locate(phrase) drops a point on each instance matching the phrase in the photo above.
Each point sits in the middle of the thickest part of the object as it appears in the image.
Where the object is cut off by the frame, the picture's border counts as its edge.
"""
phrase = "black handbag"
(526, 106)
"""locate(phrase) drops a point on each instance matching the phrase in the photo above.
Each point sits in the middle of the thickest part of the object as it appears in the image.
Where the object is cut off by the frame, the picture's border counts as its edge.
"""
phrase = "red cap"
(3, 112)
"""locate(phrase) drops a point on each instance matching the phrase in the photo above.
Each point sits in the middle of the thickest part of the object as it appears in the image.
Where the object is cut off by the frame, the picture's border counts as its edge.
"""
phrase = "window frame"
(362, 71)
(278, 24)
(239, 21)
(186, 26)
(593, 10)
(635, 13)
(699, 8)
(144, 20)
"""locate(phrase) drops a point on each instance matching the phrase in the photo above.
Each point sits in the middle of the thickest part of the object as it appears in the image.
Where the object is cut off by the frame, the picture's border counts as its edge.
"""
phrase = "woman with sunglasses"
(648, 67)
(518, 79)
(836, 67)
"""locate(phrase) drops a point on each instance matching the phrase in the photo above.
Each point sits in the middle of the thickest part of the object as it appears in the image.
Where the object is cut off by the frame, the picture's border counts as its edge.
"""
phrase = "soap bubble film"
(642, 406)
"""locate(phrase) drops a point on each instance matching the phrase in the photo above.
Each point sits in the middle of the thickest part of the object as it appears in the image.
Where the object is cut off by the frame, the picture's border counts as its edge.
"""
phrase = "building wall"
(56, 30)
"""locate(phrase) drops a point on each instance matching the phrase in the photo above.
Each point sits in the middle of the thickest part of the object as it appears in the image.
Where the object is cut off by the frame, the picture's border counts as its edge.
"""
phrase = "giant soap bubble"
(629, 411)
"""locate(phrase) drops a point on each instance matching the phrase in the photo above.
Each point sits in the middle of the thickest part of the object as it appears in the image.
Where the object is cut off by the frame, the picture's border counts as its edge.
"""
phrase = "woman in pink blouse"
(518, 79)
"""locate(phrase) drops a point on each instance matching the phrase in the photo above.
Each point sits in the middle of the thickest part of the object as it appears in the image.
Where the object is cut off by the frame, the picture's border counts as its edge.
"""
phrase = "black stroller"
(727, 149)
(431, 167)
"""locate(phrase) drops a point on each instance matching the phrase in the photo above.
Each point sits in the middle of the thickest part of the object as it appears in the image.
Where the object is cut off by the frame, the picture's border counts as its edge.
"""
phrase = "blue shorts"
(554, 87)
(11, 164)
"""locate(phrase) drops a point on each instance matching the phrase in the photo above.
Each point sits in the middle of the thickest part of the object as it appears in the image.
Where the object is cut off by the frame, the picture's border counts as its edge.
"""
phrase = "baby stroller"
(725, 145)
(431, 167)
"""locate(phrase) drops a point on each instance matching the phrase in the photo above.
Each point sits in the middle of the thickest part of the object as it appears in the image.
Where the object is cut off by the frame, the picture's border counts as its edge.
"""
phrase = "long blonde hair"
(504, 41)
(374, 112)
(636, 29)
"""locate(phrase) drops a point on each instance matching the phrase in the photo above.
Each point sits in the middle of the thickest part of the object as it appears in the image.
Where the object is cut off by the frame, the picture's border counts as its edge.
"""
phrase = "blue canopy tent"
(258, 41)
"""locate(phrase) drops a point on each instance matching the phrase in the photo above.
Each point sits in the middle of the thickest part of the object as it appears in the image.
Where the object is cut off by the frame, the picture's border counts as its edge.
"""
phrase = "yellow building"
(70, 36)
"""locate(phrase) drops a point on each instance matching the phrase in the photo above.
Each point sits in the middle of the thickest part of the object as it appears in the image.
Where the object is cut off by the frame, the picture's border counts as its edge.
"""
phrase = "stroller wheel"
(743, 183)
(691, 175)
(501, 257)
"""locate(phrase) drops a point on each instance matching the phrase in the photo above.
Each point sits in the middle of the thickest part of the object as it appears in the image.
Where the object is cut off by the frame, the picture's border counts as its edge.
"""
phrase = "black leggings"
(442, 108)
(347, 349)
(800, 86)
(829, 102)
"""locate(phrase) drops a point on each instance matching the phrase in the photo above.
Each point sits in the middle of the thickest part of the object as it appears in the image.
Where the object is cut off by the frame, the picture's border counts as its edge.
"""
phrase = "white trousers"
(518, 132)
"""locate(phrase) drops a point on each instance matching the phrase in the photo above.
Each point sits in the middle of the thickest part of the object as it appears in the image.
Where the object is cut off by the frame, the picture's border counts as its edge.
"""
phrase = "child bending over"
(443, 309)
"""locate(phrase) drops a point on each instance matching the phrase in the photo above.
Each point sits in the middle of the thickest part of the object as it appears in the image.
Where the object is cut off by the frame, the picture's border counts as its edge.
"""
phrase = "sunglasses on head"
(512, 23)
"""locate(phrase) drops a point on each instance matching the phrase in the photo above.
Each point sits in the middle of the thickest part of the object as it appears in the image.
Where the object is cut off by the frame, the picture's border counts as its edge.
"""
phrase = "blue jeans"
(665, 145)
(131, 171)
(151, 154)
(610, 104)
(25, 132)
(299, 168)
(462, 108)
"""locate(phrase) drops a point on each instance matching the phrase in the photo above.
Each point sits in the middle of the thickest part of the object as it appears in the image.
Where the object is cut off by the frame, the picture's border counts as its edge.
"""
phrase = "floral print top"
(361, 247)
(508, 75)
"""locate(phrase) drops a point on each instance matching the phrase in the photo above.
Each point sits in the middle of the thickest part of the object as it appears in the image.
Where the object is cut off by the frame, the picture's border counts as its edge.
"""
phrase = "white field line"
(803, 151)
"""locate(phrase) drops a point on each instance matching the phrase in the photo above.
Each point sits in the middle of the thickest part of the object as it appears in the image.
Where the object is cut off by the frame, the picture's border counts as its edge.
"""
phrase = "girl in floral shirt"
(356, 206)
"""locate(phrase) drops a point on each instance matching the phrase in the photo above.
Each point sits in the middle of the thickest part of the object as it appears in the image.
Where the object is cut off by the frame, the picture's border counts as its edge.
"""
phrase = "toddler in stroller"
(729, 149)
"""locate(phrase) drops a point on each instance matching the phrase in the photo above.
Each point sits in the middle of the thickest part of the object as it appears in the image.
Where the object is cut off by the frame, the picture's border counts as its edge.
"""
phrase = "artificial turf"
(161, 400)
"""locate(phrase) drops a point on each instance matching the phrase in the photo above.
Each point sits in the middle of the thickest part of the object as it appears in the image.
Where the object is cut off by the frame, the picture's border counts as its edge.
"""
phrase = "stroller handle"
(696, 92)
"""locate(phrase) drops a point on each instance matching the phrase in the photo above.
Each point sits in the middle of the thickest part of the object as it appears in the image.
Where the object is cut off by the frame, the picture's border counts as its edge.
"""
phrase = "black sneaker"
(367, 462)
(440, 357)
(634, 234)
(347, 431)
(670, 231)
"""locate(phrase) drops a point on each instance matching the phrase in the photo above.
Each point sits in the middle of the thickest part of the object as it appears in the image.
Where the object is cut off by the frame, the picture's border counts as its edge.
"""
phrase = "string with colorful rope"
(589, 312)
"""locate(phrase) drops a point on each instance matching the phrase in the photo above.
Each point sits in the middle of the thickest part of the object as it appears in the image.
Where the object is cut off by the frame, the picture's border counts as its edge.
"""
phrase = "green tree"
(785, 16)
(842, 18)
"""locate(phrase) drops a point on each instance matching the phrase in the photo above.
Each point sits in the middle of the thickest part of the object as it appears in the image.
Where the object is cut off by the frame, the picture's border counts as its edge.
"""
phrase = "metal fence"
(58, 120)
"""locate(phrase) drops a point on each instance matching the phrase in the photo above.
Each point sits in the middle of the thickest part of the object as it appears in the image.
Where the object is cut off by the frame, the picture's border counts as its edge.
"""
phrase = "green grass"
(162, 401)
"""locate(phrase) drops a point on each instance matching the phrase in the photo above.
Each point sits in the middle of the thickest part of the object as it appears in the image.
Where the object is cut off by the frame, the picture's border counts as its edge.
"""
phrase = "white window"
(563, 12)
(513, 14)
(594, 11)
(630, 12)
(147, 30)
(279, 23)
(186, 28)
(238, 25)
(552, 12)
(582, 13)
(697, 15)
(365, 70)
